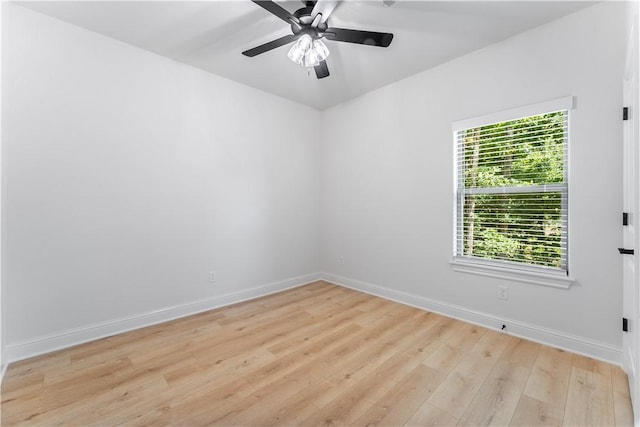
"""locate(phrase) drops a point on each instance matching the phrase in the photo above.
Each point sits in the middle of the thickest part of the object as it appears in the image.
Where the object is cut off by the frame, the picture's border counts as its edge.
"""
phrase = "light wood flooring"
(315, 355)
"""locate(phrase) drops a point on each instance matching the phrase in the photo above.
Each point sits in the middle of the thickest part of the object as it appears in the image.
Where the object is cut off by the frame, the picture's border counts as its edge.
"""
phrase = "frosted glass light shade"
(316, 54)
(300, 49)
(308, 52)
(310, 59)
(320, 49)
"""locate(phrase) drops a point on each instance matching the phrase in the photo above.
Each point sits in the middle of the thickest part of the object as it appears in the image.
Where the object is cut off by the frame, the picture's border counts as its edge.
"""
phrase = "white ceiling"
(212, 34)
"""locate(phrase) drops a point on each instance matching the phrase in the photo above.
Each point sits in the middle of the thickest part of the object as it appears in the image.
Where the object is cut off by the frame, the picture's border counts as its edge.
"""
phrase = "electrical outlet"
(503, 293)
(212, 277)
(341, 261)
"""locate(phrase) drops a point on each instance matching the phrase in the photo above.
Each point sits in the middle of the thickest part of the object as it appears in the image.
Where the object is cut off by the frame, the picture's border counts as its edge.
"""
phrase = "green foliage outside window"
(511, 215)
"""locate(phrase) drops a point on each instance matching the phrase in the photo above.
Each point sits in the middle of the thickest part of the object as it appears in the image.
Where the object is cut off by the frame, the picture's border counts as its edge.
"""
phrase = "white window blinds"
(512, 192)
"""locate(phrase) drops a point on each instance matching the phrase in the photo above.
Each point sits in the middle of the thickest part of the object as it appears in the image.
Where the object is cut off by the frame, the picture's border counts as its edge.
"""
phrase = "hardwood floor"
(315, 355)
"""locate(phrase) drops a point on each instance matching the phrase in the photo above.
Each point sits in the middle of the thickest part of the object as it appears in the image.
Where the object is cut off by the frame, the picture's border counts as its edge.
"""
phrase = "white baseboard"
(71, 337)
(68, 338)
(631, 369)
(3, 370)
(554, 338)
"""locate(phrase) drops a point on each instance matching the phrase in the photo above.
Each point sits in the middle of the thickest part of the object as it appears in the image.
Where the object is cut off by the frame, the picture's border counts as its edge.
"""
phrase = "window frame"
(516, 271)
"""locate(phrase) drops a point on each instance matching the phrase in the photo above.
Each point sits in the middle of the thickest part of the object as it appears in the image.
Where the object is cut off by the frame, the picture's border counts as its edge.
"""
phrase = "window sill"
(537, 278)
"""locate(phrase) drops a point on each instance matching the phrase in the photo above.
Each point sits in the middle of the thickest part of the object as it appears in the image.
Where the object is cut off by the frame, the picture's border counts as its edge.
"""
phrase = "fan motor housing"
(304, 16)
(304, 12)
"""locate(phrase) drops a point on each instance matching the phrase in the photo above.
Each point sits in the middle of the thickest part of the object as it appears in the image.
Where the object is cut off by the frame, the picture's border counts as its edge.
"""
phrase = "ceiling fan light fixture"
(308, 25)
(310, 60)
(300, 49)
(316, 54)
(320, 49)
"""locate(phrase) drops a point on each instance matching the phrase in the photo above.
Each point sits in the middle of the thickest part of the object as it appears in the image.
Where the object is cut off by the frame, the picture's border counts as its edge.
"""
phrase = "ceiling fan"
(309, 26)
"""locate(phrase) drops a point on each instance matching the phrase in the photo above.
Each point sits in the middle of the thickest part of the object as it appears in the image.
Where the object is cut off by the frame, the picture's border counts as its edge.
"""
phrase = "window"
(512, 194)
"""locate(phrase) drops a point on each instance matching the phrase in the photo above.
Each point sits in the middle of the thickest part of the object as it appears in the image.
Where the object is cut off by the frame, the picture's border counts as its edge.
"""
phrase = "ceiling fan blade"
(325, 8)
(322, 70)
(371, 38)
(277, 10)
(270, 45)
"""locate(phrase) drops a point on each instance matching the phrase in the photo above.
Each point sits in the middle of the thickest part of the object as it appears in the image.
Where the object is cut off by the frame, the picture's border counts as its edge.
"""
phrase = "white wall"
(127, 177)
(388, 181)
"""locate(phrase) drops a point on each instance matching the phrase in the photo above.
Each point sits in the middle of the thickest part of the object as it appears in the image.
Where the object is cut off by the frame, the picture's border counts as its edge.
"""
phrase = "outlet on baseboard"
(503, 293)
(212, 277)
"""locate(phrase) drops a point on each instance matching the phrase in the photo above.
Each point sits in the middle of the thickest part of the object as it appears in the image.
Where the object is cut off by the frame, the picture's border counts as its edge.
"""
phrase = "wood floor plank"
(455, 348)
(366, 317)
(549, 377)
(389, 342)
(497, 399)
(65, 393)
(362, 388)
(314, 355)
(246, 391)
(331, 319)
(429, 415)
(116, 404)
(355, 390)
(545, 393)
(221, 400)
(262, 405)
(403, 399)
(532, 412)
(590, 397)
(22, 385)
(51, 361)
(621, 400)
(455, 393)
(369, 354)
(240, 339)
(299, 408)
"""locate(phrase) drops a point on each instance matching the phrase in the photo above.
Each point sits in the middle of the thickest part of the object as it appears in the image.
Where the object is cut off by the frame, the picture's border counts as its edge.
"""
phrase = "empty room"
(348, 213)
